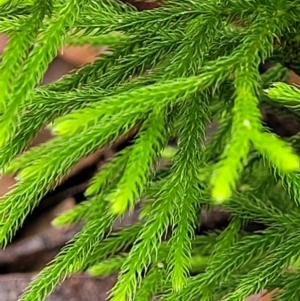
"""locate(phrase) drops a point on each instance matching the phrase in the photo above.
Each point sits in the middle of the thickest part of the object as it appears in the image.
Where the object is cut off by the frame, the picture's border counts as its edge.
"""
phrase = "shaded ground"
(79, 287)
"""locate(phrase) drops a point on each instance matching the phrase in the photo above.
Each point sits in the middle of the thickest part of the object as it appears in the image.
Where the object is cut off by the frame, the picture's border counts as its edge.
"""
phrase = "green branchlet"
(169, 72)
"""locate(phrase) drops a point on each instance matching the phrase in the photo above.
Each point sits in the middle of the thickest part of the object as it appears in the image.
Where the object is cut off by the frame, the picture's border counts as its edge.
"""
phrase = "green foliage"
(170, 72)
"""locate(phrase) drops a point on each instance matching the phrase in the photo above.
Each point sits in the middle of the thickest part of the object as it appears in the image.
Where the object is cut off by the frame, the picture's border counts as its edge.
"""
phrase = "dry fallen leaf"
(269, 295)
(79, 55)
(294, 78)
(262, 296)
(3, 42)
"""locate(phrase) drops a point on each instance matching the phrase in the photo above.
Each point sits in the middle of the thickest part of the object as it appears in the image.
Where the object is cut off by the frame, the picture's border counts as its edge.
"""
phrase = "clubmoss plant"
(171, 71)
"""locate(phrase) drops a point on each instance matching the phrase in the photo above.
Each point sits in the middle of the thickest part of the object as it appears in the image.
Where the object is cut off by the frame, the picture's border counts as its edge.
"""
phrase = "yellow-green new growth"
(246, 125)
(33, 68)
(141, 163)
